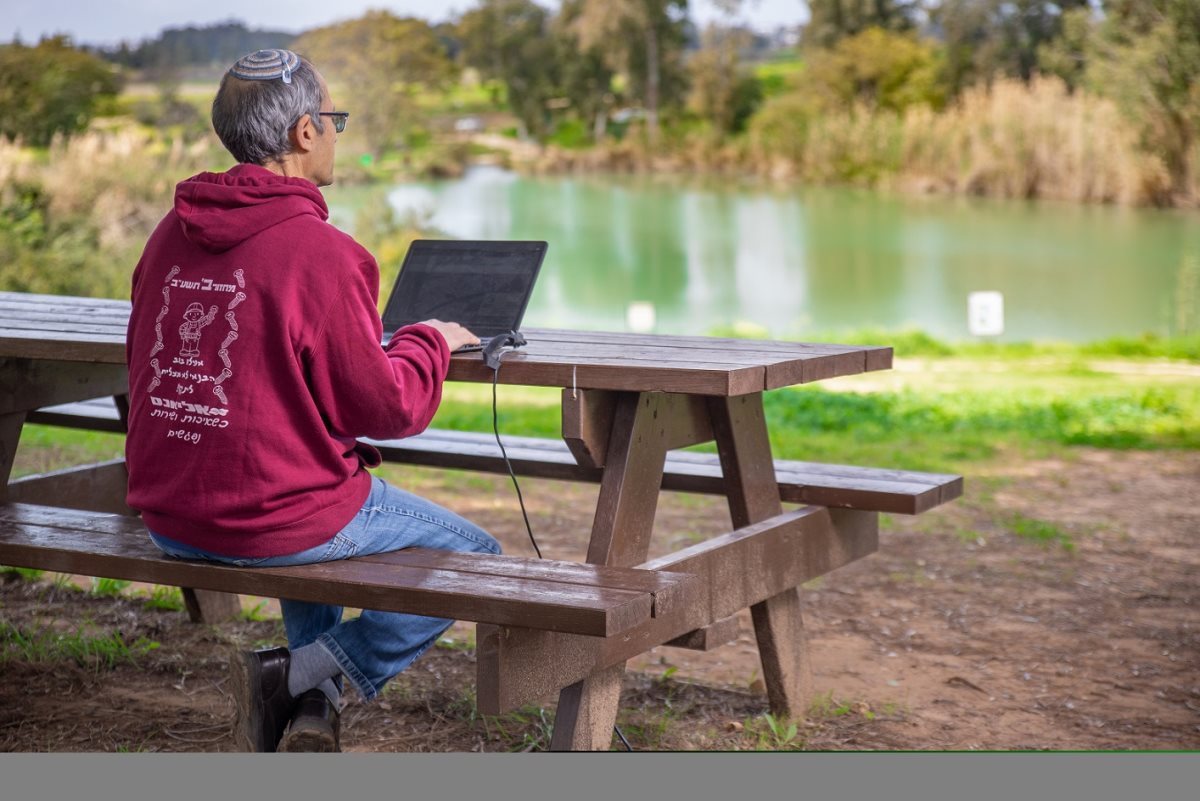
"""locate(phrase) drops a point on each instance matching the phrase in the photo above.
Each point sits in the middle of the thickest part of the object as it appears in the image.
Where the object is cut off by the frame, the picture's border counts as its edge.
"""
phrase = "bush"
(51, 89)
(77, 224)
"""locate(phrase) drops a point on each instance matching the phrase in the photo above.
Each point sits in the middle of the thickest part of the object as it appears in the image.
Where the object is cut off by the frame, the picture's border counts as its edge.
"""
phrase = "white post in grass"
(985, 314)
(640, 317)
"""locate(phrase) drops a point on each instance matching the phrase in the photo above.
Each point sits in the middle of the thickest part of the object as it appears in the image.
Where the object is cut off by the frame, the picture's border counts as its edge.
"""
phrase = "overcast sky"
(101, 22)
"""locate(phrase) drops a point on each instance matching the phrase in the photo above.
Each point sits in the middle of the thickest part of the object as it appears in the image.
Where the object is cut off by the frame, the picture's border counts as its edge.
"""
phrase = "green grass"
(256, 614)
(109, 588)
(527, 729)
(1040, 531)
(99, 651)
(165, 598)
(26, 573)
(45, 448)
(774, 734)
(937, 411)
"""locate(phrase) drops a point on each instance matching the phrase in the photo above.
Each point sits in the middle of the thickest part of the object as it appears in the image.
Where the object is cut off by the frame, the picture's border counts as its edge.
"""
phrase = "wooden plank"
(744, 451)
(738, 569)
(641, 355)
(64, 313)
(786, 363)
(10, 435)
(586, 713)
(631, 483)
(789, 363)
(116, 547)
(879, 359)
(63, 301)
(709, 637)
(79, 415)
(92, 330)
(842, 486)
(740, 427)
(206, 606)
(587, 417)
(526, 368)
(667, 590)
(629, 490)
(63, 305)
(29, 385)
(60, 346)
(23, 323)
(752, 348)
(97, 487)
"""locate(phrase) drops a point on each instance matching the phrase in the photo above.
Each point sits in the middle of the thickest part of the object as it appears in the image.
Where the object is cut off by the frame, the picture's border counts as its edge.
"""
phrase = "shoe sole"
(317, 739)
(244, 677)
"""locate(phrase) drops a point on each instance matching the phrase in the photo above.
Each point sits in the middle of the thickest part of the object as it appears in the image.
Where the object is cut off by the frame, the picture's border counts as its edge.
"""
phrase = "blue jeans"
(374, 646)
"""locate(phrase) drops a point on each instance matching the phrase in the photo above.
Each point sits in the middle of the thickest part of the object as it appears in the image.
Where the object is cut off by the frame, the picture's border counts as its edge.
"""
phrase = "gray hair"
(252, 117)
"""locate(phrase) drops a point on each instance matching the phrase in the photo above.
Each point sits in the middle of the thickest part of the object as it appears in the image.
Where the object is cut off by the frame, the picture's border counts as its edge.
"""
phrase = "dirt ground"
(1053, 607)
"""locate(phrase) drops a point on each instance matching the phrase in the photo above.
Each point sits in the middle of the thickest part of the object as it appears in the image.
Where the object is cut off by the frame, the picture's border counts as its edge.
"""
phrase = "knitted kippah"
(266, 65)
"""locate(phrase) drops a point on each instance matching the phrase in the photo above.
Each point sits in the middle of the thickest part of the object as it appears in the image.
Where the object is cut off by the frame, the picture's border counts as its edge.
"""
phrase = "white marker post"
(640, 316)
(985, 314)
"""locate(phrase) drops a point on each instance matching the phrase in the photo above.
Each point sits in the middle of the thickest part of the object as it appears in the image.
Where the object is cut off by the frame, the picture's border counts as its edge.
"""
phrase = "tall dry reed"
(1008, 140)
(1026, 141)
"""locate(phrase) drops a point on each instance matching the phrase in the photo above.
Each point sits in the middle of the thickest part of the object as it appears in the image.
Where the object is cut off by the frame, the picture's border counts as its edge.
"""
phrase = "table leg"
(739, 427)
(211, 606)
(10, 435)
(637, 450)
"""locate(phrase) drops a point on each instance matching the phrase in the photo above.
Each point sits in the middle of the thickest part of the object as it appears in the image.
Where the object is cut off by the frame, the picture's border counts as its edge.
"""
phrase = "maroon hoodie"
(254, 361)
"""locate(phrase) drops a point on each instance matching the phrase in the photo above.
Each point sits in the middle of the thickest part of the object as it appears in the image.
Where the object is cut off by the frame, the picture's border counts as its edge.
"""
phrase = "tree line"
(590, 62)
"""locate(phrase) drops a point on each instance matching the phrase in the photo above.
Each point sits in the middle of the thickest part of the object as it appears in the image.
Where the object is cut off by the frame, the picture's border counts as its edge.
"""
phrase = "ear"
(304, 135)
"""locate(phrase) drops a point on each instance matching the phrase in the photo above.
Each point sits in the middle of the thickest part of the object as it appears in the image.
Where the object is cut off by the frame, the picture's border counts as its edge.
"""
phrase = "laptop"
(481, 285)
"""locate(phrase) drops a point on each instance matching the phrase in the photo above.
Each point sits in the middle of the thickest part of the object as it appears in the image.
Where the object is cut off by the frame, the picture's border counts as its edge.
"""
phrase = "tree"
(511, 41)
(878, 69)
(643, 39)
(218, 44)
(1067, 56)
(723, 92)
(984, 38)
(833, 20)
(51, 88)
(1148, 58)
(587, 74)
(380, 63)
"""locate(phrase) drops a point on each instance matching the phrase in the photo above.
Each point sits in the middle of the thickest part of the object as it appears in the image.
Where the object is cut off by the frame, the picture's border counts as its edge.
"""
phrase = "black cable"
(511, 473)
(520, 499)
(623, 740)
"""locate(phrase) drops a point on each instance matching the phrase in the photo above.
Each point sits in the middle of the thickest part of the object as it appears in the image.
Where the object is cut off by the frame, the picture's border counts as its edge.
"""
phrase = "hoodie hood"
(218, 211)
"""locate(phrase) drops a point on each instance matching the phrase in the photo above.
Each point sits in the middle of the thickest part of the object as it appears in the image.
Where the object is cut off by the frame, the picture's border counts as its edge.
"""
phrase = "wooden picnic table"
(627, 400)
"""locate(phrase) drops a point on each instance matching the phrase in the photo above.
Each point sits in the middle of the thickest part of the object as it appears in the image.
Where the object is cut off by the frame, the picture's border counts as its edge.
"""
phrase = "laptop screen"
(484, 286)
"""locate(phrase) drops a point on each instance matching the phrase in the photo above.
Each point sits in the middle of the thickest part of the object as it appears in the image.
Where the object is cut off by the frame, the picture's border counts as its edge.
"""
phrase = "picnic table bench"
(907, 492)
(629, 404)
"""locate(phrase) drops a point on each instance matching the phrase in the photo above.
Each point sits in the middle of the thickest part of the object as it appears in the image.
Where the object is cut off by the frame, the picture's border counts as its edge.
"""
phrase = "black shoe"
(313, 727)
(259, 680)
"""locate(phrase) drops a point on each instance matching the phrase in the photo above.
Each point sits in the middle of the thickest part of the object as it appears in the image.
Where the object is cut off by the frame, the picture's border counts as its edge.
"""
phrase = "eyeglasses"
(339, 118)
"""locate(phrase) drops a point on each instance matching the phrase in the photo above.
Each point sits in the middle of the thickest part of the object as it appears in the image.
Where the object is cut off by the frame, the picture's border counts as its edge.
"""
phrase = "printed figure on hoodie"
(194, 319)
(243, 449)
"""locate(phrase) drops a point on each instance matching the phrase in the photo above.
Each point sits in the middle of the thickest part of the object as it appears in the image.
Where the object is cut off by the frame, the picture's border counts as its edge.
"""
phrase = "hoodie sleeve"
(363, 390)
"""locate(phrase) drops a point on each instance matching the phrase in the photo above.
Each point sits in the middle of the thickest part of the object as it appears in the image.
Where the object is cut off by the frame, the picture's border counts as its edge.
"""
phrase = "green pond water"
(707, 256)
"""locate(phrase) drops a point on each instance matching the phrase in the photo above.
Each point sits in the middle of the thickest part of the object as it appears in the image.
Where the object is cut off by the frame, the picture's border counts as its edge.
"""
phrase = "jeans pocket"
(340, 547)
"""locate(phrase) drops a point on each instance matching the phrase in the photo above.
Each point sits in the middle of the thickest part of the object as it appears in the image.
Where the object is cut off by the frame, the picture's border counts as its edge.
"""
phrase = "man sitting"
(241, 445)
